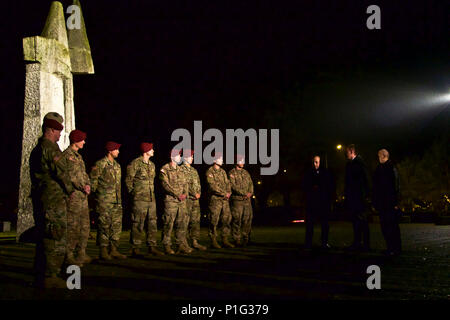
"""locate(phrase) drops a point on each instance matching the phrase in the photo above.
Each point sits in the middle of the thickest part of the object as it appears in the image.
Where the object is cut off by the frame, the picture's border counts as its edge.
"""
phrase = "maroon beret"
(188, 153)
(53, 124)
(239, 158)
(217, 155)
(111, 145)
(146, 147)
(175, 152)
(77, 136)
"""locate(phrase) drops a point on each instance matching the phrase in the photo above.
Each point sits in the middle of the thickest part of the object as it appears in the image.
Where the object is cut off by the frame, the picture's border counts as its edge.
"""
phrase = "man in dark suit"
(384, 200)
(318, 186)
(356, 192)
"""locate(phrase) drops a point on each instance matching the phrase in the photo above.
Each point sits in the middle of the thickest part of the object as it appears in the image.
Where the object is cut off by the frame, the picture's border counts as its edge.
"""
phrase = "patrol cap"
(53, 120)
(77, 136)
(146, 147)
(111, 146)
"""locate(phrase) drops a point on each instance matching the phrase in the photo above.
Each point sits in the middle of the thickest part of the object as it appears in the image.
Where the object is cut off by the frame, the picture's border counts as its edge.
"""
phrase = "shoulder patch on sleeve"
(162, 170)
(210, 175)
(231, 176)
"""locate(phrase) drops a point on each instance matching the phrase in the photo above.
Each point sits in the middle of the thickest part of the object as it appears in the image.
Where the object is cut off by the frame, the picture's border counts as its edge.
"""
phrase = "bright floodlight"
(339, 147)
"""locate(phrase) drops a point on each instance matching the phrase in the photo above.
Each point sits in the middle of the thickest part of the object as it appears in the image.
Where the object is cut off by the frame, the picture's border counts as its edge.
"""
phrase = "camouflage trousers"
(78, 224)
(219, 210)
(51, 245)
(193, 219)
(242, 213)
(109, 223)
(143, 210)
(174, 217)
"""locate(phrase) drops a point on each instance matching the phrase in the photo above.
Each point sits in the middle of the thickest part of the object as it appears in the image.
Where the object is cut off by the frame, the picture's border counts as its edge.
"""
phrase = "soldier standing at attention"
(51, 188)
(174, 183)
(192, 202)
(106, 183)
(356, 192)
(78, 226)
(241, 205)
(140, 184)
(219, 207)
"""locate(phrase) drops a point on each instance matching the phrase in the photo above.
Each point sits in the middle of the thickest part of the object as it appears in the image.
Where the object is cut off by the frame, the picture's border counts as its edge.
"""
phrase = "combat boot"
(168, 250)
(227, 244)
(244, 242)
(104, 255)
(135, 253)
(116, 254)
(54, 282)
(182, 248)
(70, 259)
(155, 251)
(214, 244)
(83, 257)
(237, 243)
(198, 246)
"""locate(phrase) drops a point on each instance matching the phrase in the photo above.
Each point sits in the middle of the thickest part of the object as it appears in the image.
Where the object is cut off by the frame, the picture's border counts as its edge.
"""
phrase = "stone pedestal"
(49, 87)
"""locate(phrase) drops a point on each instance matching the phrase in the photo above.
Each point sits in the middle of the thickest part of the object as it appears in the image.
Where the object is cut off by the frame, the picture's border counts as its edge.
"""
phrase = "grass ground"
(271, 268)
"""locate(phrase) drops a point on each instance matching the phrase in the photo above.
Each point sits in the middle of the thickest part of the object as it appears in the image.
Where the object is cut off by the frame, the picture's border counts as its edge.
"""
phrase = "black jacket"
(356, 184)
(319, 189)
(385, 186)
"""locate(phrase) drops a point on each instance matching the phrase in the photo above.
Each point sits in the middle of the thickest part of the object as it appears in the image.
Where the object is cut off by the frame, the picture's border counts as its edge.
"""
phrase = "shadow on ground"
(273, 267)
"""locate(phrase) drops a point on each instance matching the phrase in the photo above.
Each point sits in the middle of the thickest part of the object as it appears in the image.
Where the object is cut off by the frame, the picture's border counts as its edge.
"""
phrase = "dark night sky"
(313, 65)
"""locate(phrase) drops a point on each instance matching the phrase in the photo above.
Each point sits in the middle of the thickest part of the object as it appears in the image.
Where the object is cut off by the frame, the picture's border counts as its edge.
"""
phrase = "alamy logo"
(374, 281)
(374, 20)
(258, 145)
(74, 21)
(74, 280)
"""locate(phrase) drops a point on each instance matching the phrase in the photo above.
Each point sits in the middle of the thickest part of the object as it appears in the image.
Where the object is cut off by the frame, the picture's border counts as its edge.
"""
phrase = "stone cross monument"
(51, 60)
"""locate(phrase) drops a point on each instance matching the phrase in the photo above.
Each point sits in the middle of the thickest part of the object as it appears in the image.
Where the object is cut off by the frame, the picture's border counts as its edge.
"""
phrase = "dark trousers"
(391, 230)
(311, 217)
(360, 228)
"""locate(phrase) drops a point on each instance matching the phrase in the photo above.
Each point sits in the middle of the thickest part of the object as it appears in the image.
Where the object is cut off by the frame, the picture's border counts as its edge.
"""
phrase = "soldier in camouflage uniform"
(51, 188)
(192, 202)
(106, 183)
(174, 183)
(140, 184)
(241, 205)
(219, 208)
(78, 225)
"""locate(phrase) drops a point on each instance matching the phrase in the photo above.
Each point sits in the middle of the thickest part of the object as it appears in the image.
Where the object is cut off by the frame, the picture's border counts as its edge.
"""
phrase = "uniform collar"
(142, 159)
(109, 162)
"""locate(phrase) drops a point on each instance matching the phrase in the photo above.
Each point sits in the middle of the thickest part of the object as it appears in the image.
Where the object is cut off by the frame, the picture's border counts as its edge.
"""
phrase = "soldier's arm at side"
(213, 186)
(235, 188)
(59, 165)
(129, 179)
(165, 183)
(228, 183)
(78, 180)
(250, 184)
(94, 175)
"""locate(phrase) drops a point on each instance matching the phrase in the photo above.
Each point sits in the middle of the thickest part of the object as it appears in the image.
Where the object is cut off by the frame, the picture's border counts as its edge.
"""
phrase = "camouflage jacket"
(140, 180)
(106, 181)
(193, 181)
(48, 172)
(218, 183)
(173, 181)
(241, 183)
(76, 169)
